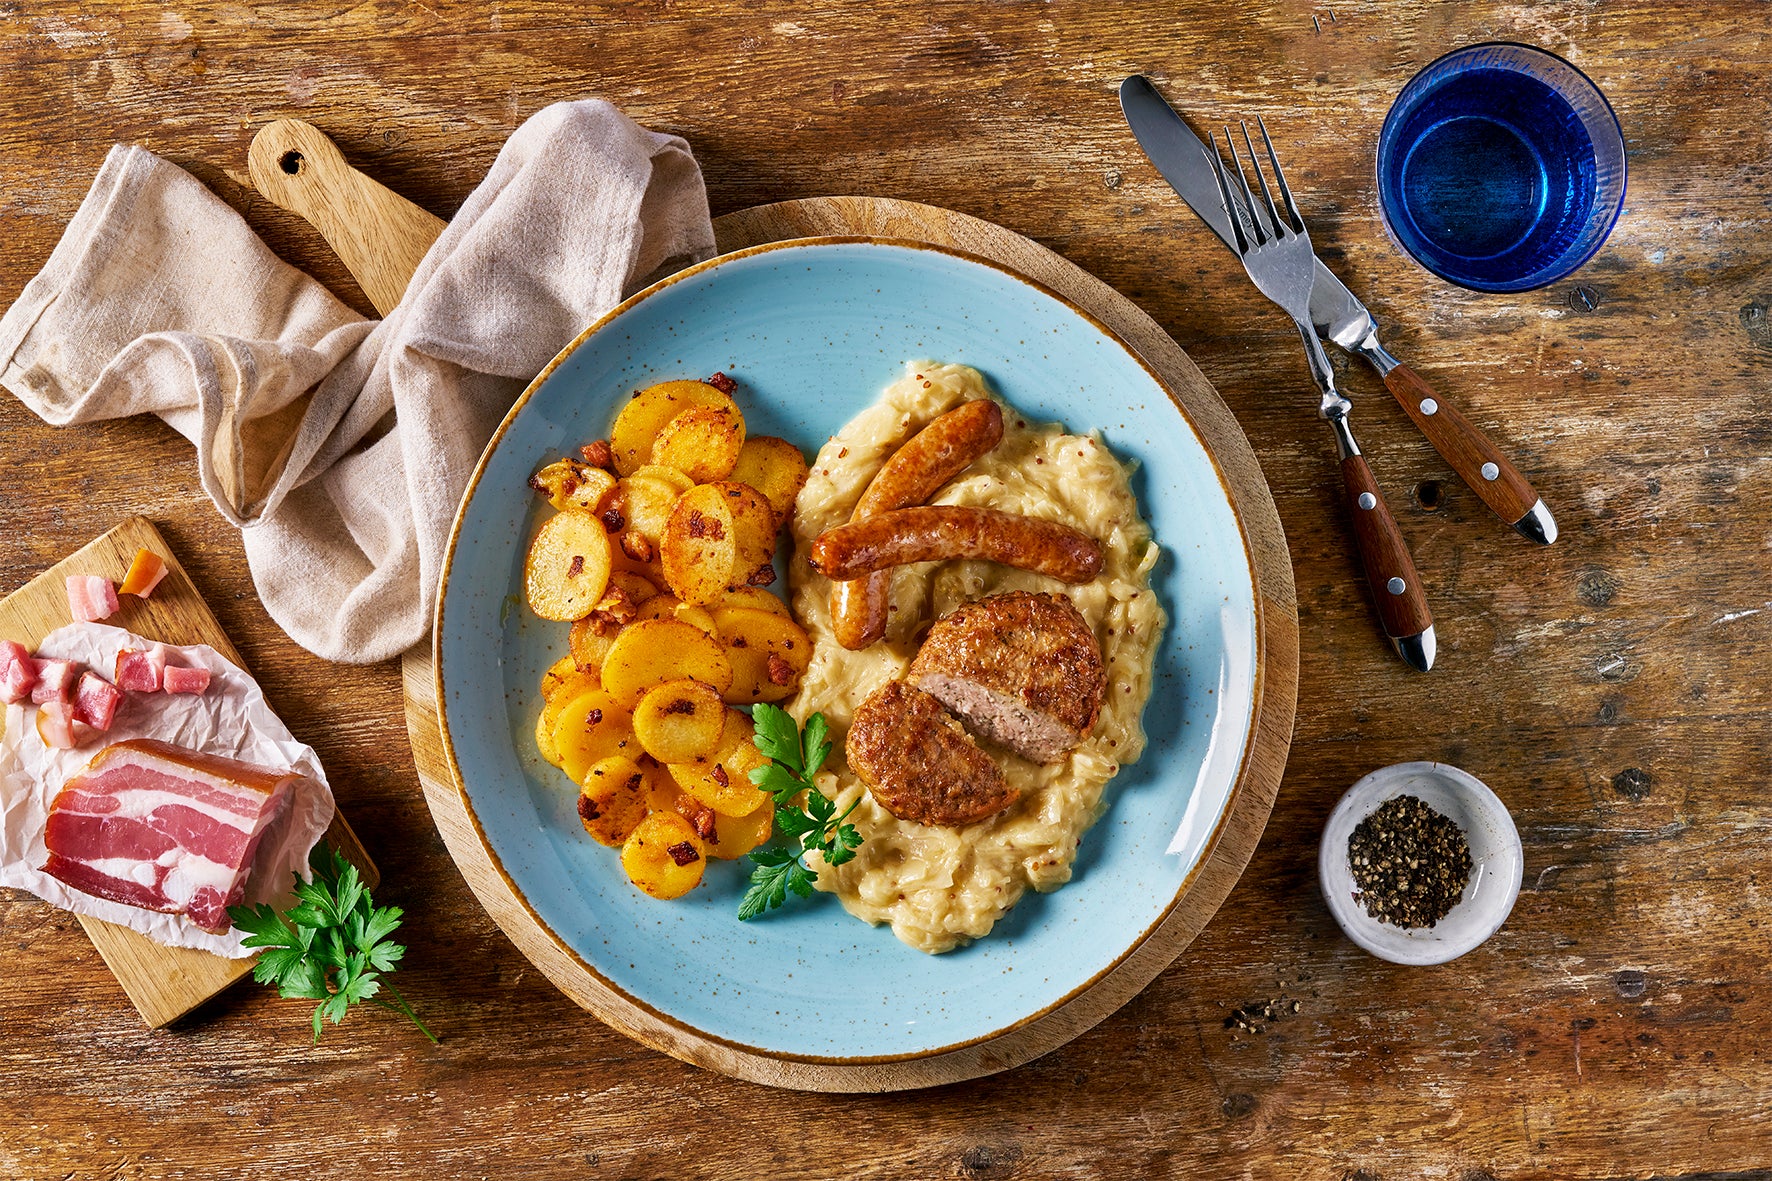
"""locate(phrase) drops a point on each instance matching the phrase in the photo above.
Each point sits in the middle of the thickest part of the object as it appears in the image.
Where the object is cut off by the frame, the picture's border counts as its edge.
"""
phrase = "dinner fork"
(1277, 254)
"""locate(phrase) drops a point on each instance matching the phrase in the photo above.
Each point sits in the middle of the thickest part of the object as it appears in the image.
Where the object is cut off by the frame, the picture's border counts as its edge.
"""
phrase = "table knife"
(1339, 317)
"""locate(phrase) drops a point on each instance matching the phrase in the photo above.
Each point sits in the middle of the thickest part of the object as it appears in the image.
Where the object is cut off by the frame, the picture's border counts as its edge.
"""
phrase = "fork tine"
(1255, 163)
(1261, 233)
(1279, 177)
(1231, 209)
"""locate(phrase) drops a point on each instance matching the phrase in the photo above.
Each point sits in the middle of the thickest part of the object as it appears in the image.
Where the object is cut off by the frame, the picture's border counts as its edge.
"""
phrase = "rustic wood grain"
(1612, 687)
(163, 983)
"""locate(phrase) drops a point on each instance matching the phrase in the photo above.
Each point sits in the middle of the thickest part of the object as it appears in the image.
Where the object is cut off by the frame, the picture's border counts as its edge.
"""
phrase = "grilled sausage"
(935, 533)
(916, 471)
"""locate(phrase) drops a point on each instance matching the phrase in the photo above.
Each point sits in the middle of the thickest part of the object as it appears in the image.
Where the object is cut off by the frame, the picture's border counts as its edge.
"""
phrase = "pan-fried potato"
(664, 857)
(590, 727)
(662, 792)
(669, 606)
(754, 597)
(717, 536)
(567, 483)
(680, 721)
(734, 836)
(774, 467)
(589, 641)
(556, 675)
(570, 685)
(723, 782)
(769, 653)
(567, 566)
(653, 651)
(649, 410)
(612, 802)
(703, 443)
(644, 500)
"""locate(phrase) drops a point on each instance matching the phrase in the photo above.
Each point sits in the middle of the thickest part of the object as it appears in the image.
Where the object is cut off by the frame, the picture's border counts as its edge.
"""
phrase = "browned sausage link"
(914, 473)
(935, 533)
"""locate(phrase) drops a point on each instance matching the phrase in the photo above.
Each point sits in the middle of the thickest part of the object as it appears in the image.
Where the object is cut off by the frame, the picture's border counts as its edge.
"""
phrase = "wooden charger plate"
(376, 234)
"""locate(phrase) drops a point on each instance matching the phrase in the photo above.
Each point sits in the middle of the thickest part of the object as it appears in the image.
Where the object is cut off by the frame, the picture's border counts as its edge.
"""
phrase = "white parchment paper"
(230, 719)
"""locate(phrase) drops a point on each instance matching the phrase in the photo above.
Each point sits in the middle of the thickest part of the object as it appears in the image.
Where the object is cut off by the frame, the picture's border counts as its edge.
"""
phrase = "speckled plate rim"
(1226, 810)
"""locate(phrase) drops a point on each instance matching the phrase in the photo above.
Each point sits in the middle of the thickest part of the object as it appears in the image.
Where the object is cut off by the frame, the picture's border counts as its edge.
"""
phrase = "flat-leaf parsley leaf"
(795, 757)
(332, 946)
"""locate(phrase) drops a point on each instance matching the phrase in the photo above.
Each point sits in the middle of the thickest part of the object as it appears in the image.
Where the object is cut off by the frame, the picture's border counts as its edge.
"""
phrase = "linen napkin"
(160, 299)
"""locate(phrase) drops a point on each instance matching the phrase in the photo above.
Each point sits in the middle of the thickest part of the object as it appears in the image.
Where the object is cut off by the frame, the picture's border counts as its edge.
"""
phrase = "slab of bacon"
(96, 701)
(55, 681)
(91, 597)
(140, 671)
(154, 825)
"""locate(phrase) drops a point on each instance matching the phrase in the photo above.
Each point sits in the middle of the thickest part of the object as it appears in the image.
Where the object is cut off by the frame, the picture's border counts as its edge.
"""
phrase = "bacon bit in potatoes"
(722, 383)
(699, 816)
(577, 567)
(763, 575)
(780, 671)
(587, 808)
(599, 454)
(637, 546)
(683, 853)
(613, 521)
(680, 706)
(718, 775)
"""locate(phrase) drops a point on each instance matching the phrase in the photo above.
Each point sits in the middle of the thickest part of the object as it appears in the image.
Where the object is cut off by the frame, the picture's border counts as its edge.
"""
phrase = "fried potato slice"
(703, 443)
(680, 721)
(590, 640)
(669, 606)
(568, 483)
(718, 536)
(642, 504)
(769, 653)
(653, 651)
(570, 685)
(640, 421)
(754, 597)
(734, 836)
(612, 800)
(723, 781)
(664, 857)
(567, 566)
(774, 467)
(556, 675)
(590, 727)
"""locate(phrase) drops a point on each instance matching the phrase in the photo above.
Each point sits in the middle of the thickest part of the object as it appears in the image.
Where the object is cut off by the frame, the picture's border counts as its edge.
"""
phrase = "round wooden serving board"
(355, 214)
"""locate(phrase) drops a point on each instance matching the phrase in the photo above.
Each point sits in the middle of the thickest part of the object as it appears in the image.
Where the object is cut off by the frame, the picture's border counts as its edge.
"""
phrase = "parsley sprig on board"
(795, 756)
(332, 946)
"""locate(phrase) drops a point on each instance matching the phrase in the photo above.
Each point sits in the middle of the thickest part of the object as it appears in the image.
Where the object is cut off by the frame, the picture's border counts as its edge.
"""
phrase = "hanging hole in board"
(290, 162)
(1427, 494)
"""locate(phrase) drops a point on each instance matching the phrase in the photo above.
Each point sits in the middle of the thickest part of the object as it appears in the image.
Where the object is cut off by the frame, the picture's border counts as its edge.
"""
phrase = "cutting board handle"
(379, 235)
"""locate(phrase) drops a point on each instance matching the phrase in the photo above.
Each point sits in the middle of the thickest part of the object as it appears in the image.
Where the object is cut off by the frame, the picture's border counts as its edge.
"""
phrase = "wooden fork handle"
(1477, 461)
(1397, 592)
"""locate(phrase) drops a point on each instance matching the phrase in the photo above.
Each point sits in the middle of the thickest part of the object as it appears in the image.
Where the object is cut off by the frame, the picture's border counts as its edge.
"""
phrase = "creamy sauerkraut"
(941, 887)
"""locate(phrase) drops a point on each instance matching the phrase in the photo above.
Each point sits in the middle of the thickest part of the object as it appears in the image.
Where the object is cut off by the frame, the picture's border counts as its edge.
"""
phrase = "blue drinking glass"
(1500, 168)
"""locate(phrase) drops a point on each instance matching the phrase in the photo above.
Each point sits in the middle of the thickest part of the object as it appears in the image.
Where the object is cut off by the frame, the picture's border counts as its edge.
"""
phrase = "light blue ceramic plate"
(813, 331)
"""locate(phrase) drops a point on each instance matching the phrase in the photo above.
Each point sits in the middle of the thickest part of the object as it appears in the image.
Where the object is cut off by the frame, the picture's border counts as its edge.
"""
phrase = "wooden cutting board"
(380, 237)
(164, 983)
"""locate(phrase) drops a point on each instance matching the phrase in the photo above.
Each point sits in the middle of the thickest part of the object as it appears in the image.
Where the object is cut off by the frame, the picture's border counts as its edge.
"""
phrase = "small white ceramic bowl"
(1496, 862)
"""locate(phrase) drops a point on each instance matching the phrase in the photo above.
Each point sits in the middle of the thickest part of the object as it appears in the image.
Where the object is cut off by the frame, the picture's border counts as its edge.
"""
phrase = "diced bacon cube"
(55, 724)
(144, 574)
(91, 597)
(185, 680)
(138, 671)
(96, 701)
(55, 681)
(18, 672)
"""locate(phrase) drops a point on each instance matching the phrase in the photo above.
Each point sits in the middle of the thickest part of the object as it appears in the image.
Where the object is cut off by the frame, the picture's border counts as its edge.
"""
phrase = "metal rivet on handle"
(1367, 500)
(1395, 586)
(1429, 406)
(1490, 471)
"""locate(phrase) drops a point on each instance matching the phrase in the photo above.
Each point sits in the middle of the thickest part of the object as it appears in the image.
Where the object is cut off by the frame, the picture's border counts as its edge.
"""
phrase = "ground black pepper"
(1410, 864)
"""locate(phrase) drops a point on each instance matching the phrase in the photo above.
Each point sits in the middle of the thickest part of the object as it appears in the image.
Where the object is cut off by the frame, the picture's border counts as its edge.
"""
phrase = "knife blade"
(1338, 316)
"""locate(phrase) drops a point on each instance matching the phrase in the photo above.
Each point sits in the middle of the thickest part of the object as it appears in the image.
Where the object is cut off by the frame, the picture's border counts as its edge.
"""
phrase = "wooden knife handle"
(1477, 461)
(1390, 571)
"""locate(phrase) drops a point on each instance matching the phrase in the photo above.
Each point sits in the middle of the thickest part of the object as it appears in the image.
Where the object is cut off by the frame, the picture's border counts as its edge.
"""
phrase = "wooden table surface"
(1613, 688)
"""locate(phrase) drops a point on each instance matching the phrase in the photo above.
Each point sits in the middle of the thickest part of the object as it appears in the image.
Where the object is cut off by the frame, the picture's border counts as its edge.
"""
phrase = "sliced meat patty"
(920, 764)
(1021, 669)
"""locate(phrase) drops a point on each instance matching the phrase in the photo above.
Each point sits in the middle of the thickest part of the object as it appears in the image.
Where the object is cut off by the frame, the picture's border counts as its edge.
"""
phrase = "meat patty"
(1021, 669)
(920, 764)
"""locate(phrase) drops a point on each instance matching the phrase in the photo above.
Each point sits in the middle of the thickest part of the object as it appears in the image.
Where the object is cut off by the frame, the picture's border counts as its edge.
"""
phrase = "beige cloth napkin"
(159, 299)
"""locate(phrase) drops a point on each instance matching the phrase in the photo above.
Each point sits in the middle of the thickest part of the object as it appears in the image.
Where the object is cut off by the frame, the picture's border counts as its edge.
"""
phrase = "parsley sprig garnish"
(815, 827)
(332, 946)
